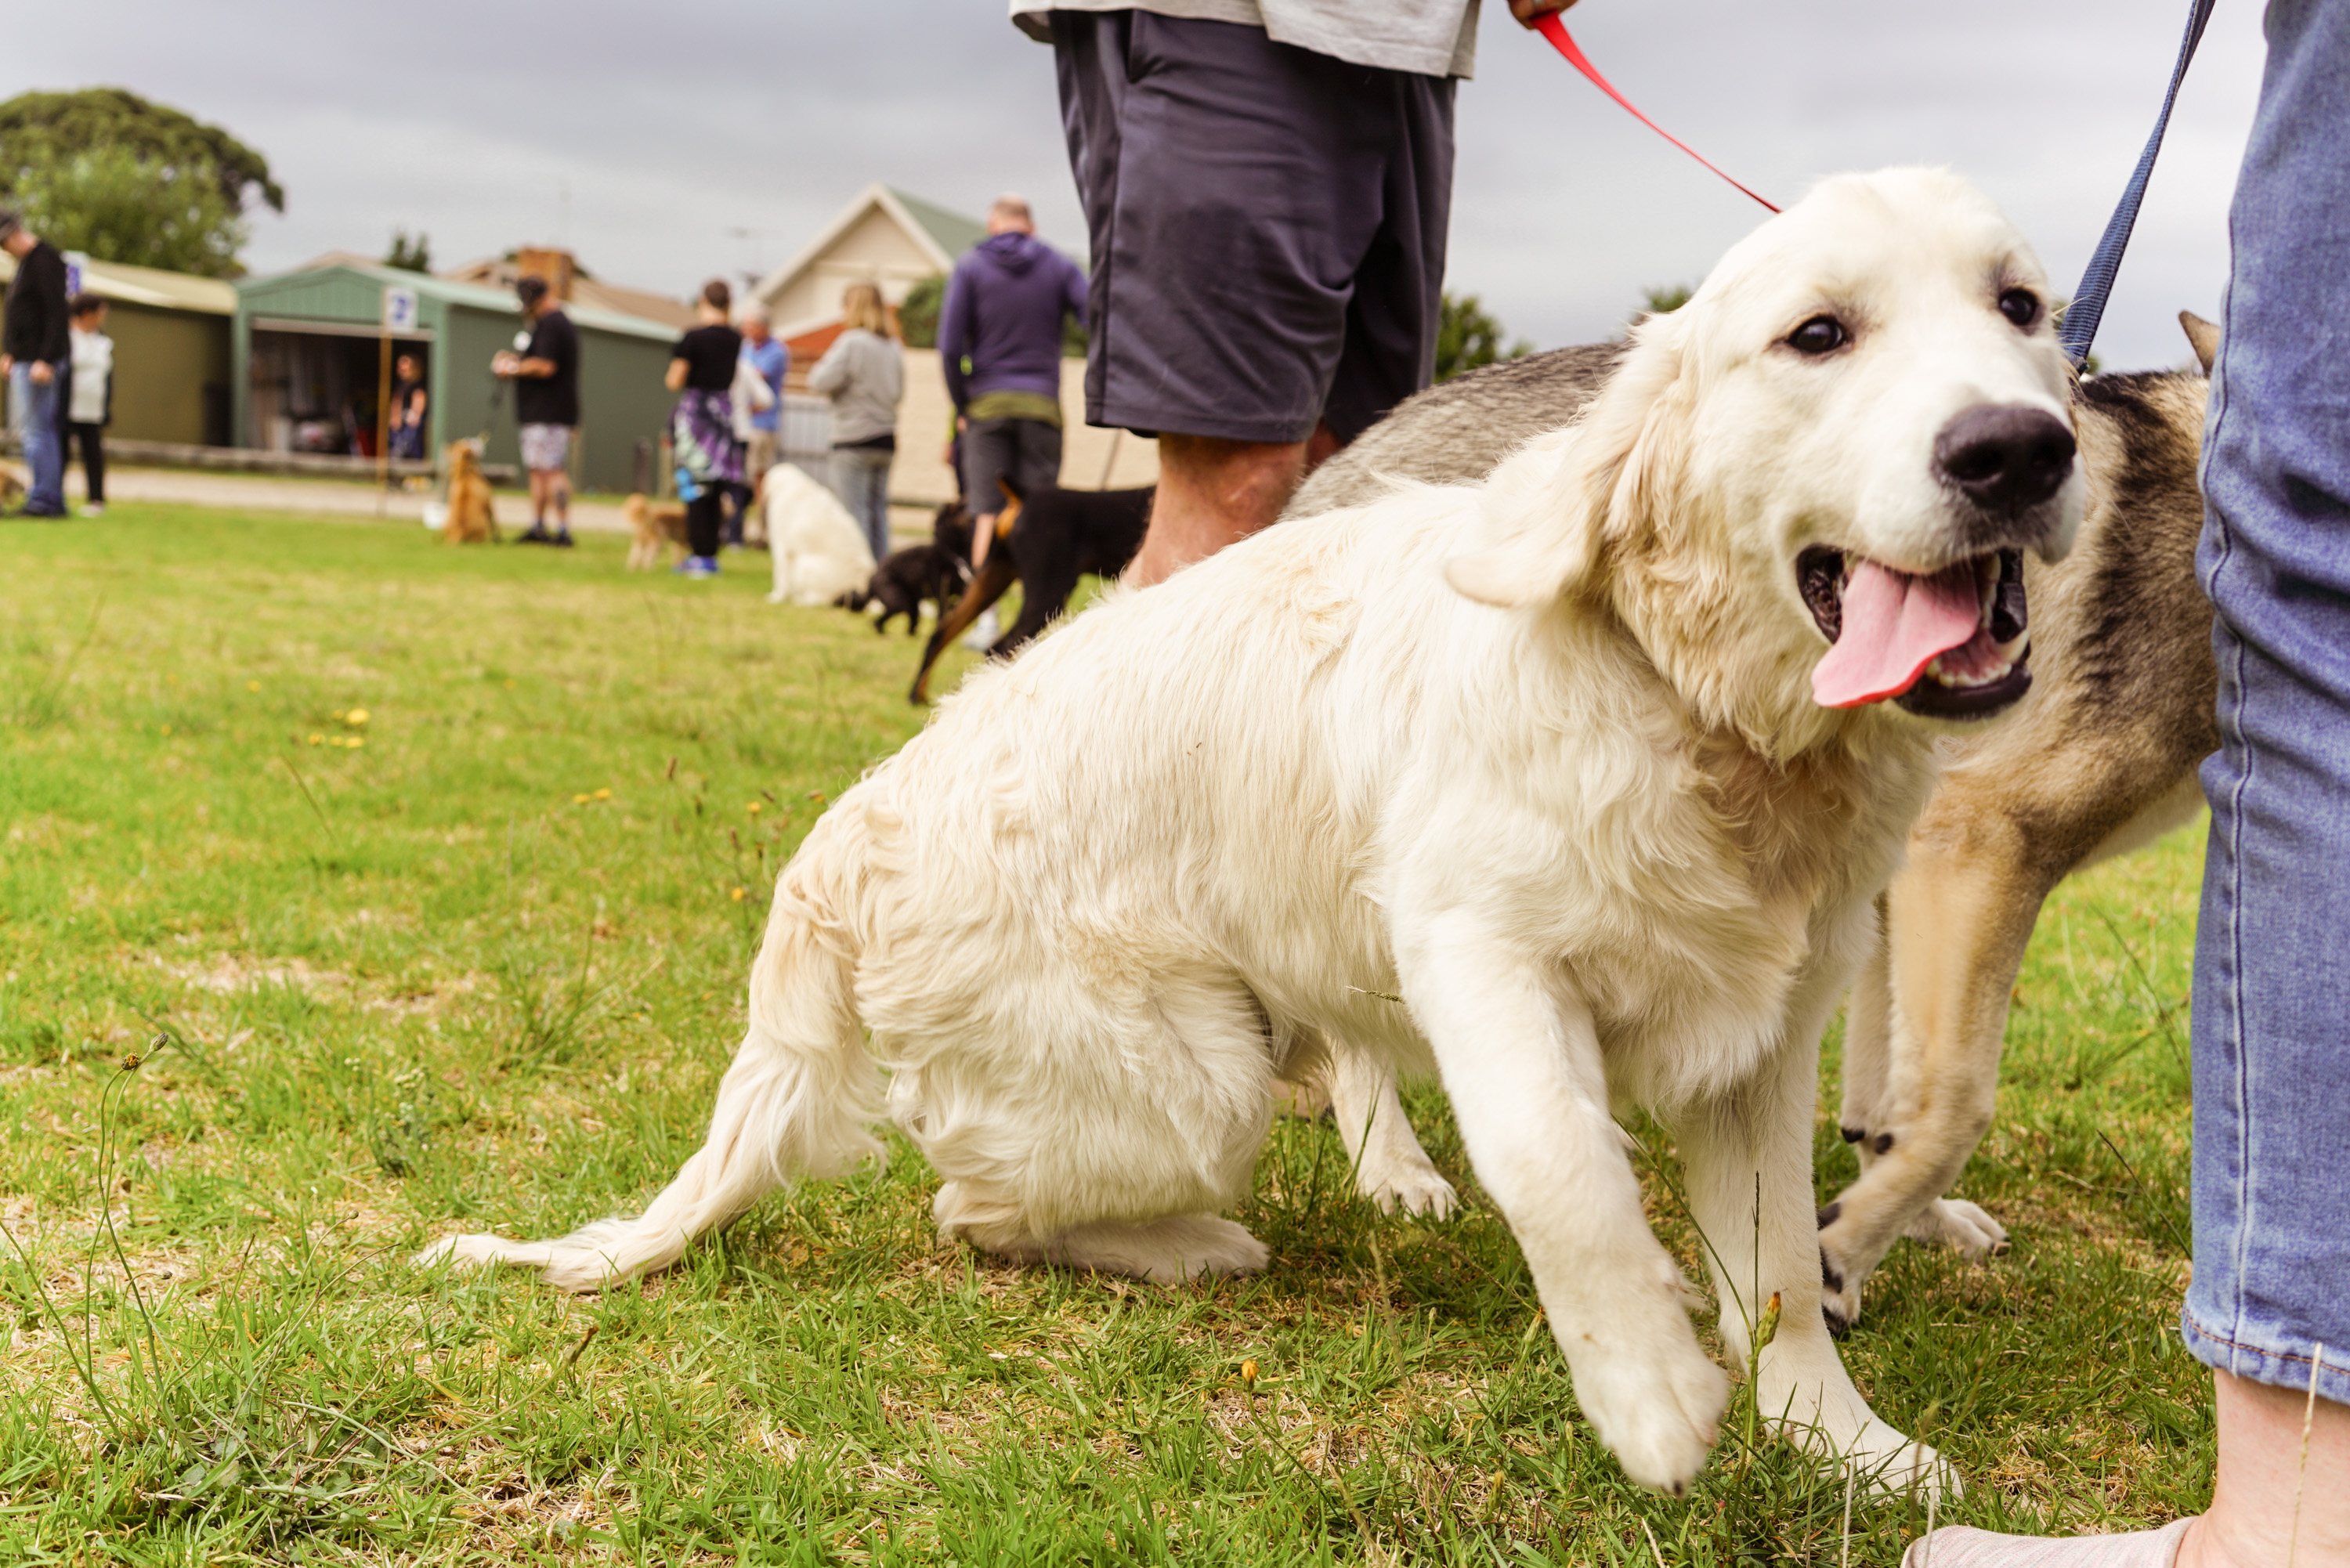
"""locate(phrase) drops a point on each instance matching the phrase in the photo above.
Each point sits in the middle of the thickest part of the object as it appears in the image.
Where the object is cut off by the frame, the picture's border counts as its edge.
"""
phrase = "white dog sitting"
(819, 552)
(1589, 765)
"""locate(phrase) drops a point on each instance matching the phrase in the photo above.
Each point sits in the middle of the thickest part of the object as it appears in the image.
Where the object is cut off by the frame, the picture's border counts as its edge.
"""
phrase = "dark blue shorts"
(1267, 226)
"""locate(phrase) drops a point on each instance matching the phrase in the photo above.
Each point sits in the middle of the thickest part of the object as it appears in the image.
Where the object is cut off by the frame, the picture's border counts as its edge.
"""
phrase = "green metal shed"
(171, 335)
(305, 367)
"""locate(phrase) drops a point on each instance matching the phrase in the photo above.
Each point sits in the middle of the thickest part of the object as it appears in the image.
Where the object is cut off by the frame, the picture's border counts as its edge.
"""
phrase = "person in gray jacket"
(864, 374)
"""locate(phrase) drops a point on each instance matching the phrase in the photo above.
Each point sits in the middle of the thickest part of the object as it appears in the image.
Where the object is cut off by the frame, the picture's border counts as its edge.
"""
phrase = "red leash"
(1553, 29)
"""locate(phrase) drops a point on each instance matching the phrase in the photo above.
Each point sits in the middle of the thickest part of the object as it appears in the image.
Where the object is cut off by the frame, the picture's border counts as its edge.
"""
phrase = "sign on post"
(399, 312)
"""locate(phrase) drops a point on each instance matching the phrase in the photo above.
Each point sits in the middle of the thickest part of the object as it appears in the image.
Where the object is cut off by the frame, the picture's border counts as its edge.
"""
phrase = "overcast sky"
(669, 143)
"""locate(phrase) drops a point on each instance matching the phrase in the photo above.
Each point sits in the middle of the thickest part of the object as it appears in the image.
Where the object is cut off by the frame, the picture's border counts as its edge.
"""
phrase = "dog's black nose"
(2002, 458)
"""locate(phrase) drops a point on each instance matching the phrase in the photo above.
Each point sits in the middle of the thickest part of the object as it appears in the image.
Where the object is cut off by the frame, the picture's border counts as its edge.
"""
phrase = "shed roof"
(935, 234)
(476, 297)
(148, 286)
(643, 304)
(954, 233)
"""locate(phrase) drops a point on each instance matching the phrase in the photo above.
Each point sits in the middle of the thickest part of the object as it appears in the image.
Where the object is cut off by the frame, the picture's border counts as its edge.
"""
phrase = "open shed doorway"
(314, 385)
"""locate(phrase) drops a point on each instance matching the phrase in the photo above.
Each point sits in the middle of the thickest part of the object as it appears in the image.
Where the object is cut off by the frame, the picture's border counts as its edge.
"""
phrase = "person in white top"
(1267, 185)
(89, 395)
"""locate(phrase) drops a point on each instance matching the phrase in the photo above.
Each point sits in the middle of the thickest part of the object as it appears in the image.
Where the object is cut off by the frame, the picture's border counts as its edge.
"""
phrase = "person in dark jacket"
(1003, 314)
(33, 349)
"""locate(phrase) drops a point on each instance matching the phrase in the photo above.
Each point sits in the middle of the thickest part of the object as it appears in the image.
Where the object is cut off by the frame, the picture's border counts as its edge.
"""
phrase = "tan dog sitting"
(650, 527)
(472, 520)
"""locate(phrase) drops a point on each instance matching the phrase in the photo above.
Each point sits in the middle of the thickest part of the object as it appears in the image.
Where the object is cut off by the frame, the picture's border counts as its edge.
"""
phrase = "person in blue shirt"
(763, 448)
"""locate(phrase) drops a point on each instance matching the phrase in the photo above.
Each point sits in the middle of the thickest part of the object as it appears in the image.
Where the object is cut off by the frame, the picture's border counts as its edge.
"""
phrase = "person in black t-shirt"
(702, 431)
(545, 374)
(35, 346)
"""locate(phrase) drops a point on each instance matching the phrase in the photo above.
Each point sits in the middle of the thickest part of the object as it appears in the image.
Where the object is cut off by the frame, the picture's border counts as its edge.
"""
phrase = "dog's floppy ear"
(2205, 337)
(1548, 538)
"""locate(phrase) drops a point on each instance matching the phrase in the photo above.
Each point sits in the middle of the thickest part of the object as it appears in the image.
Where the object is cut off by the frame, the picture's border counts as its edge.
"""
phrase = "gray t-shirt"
(1429, 37)
(864, 375)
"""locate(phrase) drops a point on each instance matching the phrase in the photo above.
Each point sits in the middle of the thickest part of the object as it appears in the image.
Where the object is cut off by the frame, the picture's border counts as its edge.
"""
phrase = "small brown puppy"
(650, 527)
(472, 520)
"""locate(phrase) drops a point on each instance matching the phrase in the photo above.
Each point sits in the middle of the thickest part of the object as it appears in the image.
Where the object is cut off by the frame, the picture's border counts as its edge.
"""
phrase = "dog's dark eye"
(1820, 335)
(2020, 306)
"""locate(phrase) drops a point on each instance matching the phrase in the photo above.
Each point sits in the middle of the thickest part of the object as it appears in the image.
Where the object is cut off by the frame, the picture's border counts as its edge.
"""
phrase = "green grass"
(423, 981)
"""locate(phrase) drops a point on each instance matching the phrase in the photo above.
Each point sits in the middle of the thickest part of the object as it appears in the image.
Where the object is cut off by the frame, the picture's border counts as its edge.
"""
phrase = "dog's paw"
(1165, 1251)
(1414, 1191)
(1657, 1406)
(1955, 1222)
(1892, 1466)
(1839, 1292)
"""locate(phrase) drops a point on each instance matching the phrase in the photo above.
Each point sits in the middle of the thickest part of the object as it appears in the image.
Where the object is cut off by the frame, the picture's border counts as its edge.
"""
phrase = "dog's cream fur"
(819, 552)
(1566, 795)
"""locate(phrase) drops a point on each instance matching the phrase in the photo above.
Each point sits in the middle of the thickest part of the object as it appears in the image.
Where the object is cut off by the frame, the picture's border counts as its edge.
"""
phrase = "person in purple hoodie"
(1000, 341)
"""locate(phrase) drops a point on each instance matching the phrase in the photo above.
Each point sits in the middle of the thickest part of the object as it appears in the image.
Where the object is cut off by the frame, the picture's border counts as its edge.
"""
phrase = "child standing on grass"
(89, 396)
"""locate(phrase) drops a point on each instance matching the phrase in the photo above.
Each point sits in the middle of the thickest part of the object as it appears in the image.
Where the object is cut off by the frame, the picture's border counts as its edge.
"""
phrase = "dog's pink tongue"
(1894, 625)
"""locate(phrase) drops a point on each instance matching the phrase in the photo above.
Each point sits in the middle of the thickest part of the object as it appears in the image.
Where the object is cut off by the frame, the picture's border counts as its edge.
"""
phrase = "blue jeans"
(33, 409)
(2271, 1013)
(860, 477)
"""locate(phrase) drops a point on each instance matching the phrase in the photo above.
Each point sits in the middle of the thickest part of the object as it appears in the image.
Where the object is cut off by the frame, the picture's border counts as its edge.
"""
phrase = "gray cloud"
(651, 137)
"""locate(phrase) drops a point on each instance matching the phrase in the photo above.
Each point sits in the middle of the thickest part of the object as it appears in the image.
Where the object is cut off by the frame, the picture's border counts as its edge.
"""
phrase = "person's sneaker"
(561, 539)
(93, 508)
(537, 534)
(984, 632)
(698, 566)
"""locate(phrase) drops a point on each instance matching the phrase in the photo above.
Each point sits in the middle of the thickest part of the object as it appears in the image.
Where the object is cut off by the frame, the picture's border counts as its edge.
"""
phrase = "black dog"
(1044, 542)
(934, 571)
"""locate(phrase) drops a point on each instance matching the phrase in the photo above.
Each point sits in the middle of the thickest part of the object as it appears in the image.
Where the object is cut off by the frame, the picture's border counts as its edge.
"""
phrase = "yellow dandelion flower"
(317, 740)
(581, 799)
(356, 716)
(356, 741)
(167, 729)
(754, 808)
(741, 893)
(603, 795)
(252, 686)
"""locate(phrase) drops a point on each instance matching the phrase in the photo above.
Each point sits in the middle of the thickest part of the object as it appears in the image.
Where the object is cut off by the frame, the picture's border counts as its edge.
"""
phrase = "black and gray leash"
(2079, 328)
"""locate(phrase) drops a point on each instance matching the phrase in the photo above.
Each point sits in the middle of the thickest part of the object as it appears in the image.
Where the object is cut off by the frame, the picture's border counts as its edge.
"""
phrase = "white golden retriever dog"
(1586, 764)
(819, 551)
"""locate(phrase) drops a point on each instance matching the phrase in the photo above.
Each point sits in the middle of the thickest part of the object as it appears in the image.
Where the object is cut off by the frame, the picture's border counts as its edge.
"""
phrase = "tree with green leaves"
(106, 171)
(411, 255)
(1467, 336)
(918, 314)
(1663, 301)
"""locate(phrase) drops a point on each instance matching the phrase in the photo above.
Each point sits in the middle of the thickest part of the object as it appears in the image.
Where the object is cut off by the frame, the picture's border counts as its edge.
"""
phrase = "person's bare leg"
(2268, 1504)
(542, 485)
(1211, 493)
(2281, 1496)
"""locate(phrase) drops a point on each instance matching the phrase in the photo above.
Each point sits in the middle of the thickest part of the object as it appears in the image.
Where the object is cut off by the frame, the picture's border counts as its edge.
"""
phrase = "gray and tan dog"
(2099, 759)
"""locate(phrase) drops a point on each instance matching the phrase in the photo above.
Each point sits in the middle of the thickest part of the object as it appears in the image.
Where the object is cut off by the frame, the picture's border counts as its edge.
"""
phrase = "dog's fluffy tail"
(798, 1101)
